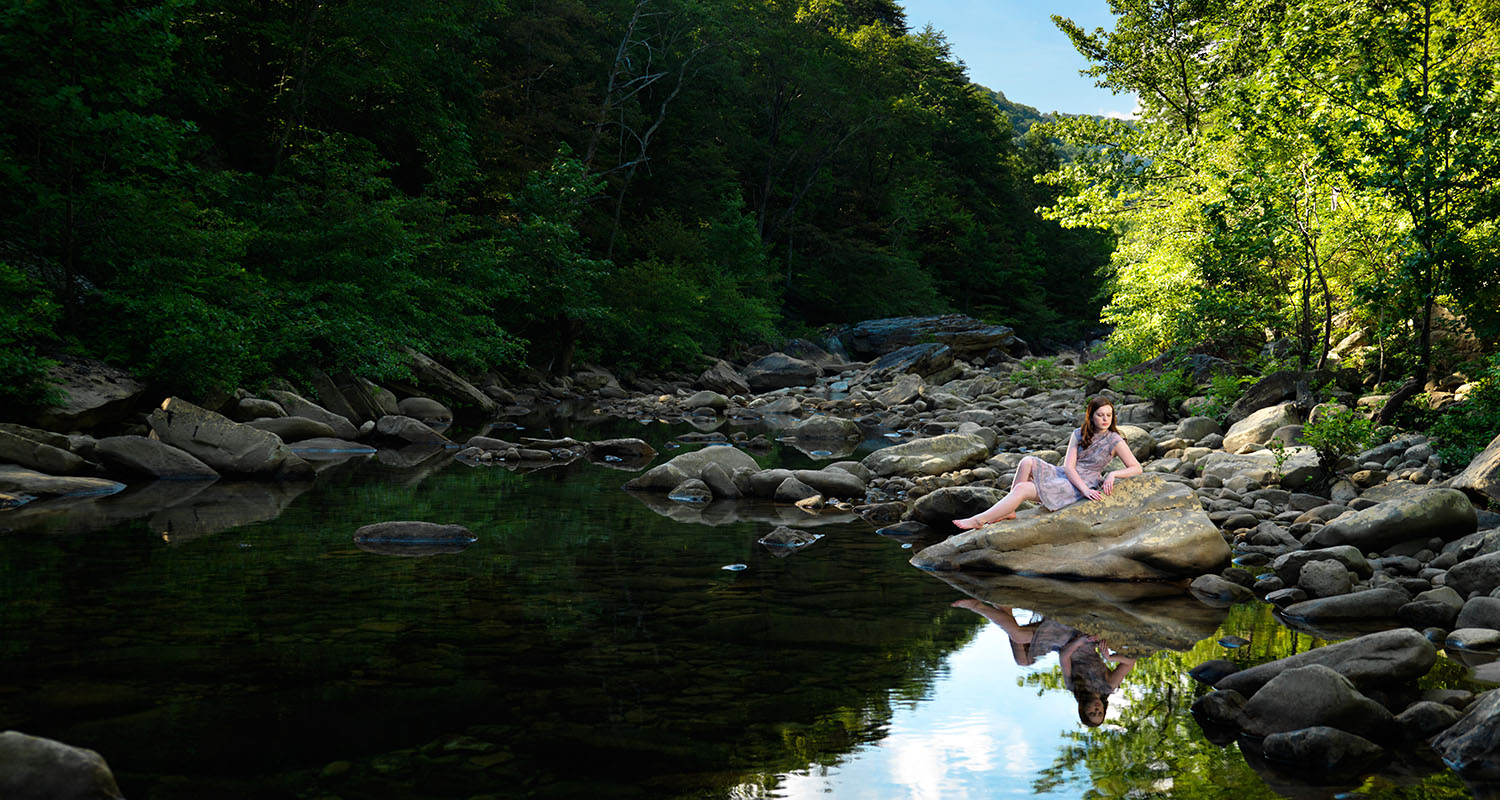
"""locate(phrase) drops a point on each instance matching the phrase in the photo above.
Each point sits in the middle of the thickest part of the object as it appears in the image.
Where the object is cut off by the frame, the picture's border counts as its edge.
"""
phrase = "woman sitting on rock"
(1092, 447)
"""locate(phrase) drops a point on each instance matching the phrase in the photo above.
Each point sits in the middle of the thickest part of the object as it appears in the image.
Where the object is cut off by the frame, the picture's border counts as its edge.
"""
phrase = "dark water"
(232, 641)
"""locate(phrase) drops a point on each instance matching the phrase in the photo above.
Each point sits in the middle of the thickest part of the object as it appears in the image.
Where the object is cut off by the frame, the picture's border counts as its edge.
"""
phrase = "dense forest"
(214, 192)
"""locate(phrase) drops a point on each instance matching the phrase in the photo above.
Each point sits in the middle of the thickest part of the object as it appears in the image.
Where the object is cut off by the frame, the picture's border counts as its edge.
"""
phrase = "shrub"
(1342, 433)
(1466, 428)
(1038, 373)
(25, 317)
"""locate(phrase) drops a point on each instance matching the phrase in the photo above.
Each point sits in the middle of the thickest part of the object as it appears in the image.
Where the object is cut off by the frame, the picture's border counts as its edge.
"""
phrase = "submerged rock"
(784, 541)
(33, 768)
(413, 538)
(1472, 745)
(1314, 696)
(1148, 529)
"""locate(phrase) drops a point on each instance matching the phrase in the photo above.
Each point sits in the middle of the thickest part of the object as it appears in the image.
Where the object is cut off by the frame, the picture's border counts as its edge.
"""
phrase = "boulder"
(1195, 428)
(1288, 567)
(666, 477)
(833, 483)
(623, 449)
(940, 507)
(824, 428)
(1324, 579)
(1314, 696)
(294, 429)
(16, 480)
(332, 397)
(1480, 612)
(779, 371)
(413, 538)
(33, 768)
(1472, 745)
(932, 456)
(1148, 529)
(377, 400)
(298, 406)
(965, 336)
(1370, 661)
(1481, 574)
(792, 490)
(139, 455)
(37, 455)
(1217, 590)
(435, 376)
(1481, 478)
(923, 360)
(723, 378)
(429, 411)
(96, 394)
(1258, 427)
(1442, 513)
(1369, 604)
(1321, 750)
(226, 446)
(1268, 391)
(408, 430)
(691, 490)
(706, 399)
(1138, 439)
(784, 541)
(253, 408)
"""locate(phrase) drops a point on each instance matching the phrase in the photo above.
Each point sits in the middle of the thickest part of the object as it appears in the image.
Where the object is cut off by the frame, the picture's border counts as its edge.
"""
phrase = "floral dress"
(1053, 488)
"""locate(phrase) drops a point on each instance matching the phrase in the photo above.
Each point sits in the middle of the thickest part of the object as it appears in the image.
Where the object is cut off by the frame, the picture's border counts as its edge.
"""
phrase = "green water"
(233, 642)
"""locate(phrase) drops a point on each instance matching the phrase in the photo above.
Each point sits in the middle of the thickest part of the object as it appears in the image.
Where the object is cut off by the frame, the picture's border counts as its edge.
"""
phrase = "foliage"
(1340, 434)
(1223, 390)
(1040, 374)
(25, 319)
(1169, 386)
(1466, 428)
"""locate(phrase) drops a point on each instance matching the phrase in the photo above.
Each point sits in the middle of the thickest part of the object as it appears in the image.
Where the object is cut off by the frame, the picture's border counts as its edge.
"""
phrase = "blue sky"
(1012, 46)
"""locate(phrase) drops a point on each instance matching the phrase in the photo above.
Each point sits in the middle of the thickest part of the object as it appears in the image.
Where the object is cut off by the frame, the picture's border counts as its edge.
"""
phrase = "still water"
(231, 641)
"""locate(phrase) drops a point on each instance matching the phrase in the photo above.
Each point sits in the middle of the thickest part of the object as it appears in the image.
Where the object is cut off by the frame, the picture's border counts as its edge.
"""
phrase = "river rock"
(331, 396)
(298, 406)
(932, 456)
(1324, 579)
(1310, 696)
(924, 360)
(1426, 718)
(1148, 529)
(33, 768)
(692, 490)
(1288, 567)
(1472, 745)
(1433, 608)
(408, 430)
(413, 538)
(1138, 439)
(1359, 606)
(824, 428)
(293, 429)
(96, 394)
(1268, 391)
(435, 376)
(1481, 478)
(792, 490)
(34, 454)
(723, 378)
(779, 371)
(706, 399)
(667, 476)
(1322, 749)
(379, 400)
(226, 446)
(965, 336)
(784, 541)
(1258, 427)
(1480, 612)
(1442, 513)
(138, 455)
(17, 480)
(1370, 661)
(833, 483)
(1195, 428)
(1481, 574)
(940, 507)
(428, 411)
(1217, 590)
(624, 449)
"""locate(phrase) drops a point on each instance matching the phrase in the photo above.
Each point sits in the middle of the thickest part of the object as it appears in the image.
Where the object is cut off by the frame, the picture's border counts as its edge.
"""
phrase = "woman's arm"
(1132, 467)
(1070, 469)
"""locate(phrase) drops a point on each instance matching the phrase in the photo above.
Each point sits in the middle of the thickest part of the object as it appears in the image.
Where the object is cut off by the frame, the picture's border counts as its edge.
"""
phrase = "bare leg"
(1005, 509)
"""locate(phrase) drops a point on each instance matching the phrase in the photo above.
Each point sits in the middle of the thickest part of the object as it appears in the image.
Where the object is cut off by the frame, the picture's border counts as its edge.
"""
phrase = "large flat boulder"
(780, 371)
(225, 445)
(927, 359)
(432, 375)
(1148, 529)
(665, 477)
(29, 452)
(1443, 513)
(1482, 477)
(138, 455)
(33, 768)
(298, 406)
(16, 480)
(96, 393)
(964, 335)
(1370, 661)
(932, 456)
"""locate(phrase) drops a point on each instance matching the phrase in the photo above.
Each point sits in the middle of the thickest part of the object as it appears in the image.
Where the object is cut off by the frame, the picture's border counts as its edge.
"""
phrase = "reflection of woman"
(1090, 679)
(1091, 448)
(1028, 641)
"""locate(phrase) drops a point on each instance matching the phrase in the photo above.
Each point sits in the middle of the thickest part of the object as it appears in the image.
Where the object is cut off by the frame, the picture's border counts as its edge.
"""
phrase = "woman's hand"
(1092, 494)
(1109, 483)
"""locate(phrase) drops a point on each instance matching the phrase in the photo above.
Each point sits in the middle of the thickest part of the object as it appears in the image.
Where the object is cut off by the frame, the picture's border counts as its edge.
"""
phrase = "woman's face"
(1102, 417)
(1093, 711)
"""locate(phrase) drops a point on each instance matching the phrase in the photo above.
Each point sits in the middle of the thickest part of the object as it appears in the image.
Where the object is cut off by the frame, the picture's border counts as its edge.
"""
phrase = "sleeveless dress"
(1053, 488)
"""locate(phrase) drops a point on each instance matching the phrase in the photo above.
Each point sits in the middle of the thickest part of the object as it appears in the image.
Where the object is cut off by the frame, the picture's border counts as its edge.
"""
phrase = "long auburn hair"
(1095, 403)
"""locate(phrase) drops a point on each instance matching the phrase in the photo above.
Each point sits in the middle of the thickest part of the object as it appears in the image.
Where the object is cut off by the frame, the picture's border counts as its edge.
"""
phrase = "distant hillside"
(1022, 117)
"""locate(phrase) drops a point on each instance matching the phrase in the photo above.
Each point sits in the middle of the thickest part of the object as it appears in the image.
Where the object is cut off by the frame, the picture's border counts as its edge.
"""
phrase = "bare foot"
(969, 603)
(967, 523)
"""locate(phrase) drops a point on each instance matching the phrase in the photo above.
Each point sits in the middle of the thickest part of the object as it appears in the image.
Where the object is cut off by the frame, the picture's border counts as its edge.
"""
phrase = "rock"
(667, 476)
(138, 455)
(1481, 478)
(691, 490)
(1424, 719)
(1258, 427)
(33, 768)
(832, 483)
(1369, 604)
(706, 399)
(431, 374)
(1370, 661)
(17, 480)
(1268, 391)
(378, 401)
(1222, 708)
(824, 428)
(723, 378)
(932, 456)
(331, 396)
(1326, 578)
(413, 538)
(248, 409)
(227, 447)
(39, 456)
(1322, 749)
(1214, 670)
(1217, 590)
(1481, 574)
(1289, 566)
(293, 429)
(408, 430)
(1472, 745)
(719, 482)
(1444, 513)
(428, 411)
(904, 389)
(96, 393)
(1434, 608)
(1195, 428)
(298, 406)
(940, 507)
(1148, 529)
(965, 336)
(1314, 696)
(779, 371)
(783, 540)
(1480, 612)
(1479, 639)
(924, 360)
(623, 449)
(792, 490)
(790, 406)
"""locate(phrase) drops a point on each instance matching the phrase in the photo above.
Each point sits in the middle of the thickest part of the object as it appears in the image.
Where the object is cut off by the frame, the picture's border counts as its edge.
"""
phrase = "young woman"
(1091, 680)
(1092, 446)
